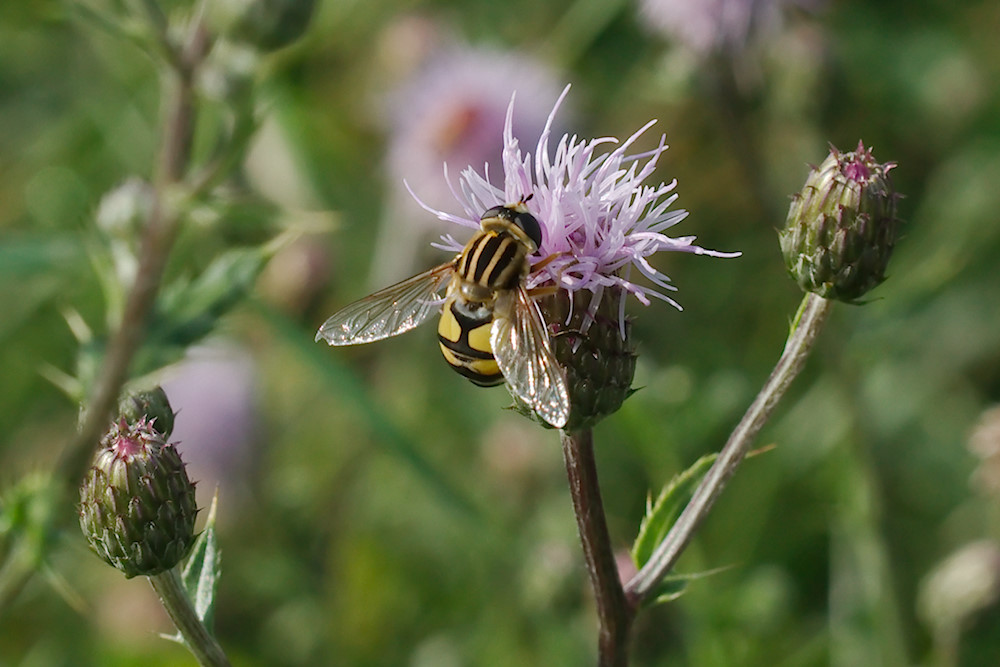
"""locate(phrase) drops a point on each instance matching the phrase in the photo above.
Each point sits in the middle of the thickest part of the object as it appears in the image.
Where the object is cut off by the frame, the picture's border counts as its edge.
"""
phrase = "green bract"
(598, 361)
(137, 505)
(153, 405)
(842, 226)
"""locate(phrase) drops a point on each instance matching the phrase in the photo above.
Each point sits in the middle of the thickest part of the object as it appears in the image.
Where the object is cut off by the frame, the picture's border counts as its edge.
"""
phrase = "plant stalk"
(613, 611)
(806, 327)
(196, 636)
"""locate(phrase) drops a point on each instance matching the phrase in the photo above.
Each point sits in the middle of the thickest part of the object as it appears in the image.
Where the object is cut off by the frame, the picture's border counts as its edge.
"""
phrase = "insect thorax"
(491, 260)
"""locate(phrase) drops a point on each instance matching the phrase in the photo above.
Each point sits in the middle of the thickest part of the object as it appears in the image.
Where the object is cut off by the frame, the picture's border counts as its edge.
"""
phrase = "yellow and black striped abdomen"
(493, 260)
(464, 334)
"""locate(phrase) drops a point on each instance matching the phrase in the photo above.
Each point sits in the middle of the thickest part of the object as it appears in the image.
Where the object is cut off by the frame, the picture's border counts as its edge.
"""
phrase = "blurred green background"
(375, 509)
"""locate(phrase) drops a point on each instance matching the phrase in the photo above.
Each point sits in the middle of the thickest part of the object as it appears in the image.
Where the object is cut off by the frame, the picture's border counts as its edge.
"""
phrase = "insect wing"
(521, 347)
(388, 312)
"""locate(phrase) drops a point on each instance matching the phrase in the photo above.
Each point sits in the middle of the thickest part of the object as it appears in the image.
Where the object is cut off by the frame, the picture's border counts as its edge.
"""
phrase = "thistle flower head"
(600, 221)
(137, 505)
(600, 225)
(842, 226)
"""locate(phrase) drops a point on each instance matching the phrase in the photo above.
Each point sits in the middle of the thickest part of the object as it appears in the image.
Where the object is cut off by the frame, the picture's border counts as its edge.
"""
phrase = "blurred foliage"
(384, 512)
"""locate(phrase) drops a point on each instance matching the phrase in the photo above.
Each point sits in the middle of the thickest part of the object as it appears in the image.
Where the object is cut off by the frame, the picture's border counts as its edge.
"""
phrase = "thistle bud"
(842, 226)
(153, 405)
(228, 73)
(123, 211)
(137, 505)
(598, 362)
(267, 24)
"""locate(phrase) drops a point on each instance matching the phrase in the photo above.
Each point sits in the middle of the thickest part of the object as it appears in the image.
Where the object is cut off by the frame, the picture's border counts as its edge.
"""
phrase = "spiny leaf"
(201, 572)
(188, 310)
(675, 585)
(661, 514)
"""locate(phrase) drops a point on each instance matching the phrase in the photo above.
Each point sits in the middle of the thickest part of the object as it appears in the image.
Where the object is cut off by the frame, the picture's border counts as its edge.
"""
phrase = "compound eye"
(529, 225)
(496, 212)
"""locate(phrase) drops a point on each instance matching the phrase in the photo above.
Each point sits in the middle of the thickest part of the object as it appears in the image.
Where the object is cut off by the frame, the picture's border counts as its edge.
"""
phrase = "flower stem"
(613, 611)
(805, 328)
(196, 636)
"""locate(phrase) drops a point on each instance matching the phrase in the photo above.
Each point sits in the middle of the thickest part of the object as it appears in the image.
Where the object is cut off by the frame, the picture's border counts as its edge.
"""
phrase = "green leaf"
(35, 270)
(187, 311)
(675, 585)
(660, 515)
(200, 575)
(33, 256)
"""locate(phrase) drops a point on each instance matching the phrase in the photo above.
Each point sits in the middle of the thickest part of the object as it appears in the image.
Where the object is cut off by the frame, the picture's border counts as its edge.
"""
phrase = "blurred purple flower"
(707, 26)
(452, 113)
(598, 219)
(213, 394)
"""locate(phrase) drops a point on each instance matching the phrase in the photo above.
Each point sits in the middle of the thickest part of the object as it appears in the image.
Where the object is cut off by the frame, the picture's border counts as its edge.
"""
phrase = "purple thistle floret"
(597, 216)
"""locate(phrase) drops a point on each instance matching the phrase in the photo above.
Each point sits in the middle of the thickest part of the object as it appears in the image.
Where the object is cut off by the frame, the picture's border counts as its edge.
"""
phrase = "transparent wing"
(521, 347)
(388, 312)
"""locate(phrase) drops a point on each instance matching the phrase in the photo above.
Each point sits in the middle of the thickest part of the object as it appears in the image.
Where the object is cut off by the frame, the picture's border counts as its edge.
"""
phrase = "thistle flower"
(137, 505)
(600, 223)
(841, 228)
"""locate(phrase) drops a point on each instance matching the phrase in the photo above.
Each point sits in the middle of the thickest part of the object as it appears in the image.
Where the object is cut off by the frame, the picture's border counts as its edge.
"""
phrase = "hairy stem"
(613, 611)
(806, 327)
(196, 636)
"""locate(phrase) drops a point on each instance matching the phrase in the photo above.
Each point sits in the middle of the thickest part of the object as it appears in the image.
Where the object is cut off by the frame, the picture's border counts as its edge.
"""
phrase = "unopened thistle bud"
(151, 404)
(842, 226)
(266, 24)
(124, 210)
(137, 505)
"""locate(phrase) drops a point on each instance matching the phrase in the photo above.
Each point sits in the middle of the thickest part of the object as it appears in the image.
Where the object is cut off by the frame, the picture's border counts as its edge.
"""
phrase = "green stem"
(805, 328)
(196, 636)
(613, 611)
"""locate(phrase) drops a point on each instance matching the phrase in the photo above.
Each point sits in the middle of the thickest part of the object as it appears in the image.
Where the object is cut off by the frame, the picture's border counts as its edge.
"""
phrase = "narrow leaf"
(675, 585)
(660, 515)
(201, 571)
(188, 310)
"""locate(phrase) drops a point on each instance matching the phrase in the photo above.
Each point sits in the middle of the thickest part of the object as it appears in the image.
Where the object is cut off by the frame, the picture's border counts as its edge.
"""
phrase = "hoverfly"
(490, 329)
